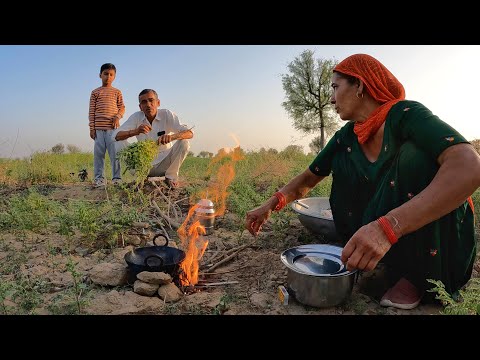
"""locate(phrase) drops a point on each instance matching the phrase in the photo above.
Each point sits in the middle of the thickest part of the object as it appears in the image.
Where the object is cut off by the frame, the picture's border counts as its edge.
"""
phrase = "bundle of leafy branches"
(138, 157)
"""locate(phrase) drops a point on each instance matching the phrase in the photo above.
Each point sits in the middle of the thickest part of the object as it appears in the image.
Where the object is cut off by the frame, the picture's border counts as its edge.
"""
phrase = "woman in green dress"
(402, 180)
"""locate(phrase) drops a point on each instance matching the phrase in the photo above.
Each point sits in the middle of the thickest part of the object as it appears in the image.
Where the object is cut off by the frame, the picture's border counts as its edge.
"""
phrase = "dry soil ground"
(250, 278)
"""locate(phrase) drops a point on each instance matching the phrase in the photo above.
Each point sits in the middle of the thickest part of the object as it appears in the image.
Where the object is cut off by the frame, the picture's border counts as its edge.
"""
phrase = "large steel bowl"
(316, 276)
(314, 214)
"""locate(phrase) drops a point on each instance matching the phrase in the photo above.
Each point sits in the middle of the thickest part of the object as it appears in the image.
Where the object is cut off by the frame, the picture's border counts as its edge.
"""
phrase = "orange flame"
(191, 232)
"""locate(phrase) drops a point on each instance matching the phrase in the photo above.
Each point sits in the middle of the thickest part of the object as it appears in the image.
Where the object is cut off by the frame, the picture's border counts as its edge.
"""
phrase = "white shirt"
(165, 120)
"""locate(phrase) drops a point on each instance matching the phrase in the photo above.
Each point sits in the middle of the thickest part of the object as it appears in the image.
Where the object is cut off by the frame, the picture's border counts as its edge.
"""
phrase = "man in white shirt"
(159, 125)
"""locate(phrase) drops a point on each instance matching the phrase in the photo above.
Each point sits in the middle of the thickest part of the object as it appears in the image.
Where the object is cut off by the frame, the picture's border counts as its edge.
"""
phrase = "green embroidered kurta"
(363, 191)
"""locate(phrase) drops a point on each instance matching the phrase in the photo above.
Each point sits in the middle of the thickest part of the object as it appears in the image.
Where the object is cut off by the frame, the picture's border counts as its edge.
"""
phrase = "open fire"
(192, 233)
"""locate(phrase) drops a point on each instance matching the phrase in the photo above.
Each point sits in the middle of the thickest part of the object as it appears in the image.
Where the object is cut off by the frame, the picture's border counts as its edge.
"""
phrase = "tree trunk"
(322, 127)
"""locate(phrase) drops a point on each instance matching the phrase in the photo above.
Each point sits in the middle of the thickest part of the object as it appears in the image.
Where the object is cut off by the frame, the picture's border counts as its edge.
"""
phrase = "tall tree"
(307, 87)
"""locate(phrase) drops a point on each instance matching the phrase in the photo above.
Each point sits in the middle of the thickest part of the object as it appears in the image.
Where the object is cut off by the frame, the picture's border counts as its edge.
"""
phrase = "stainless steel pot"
(316, 275)
(315, 214)
(205, 214)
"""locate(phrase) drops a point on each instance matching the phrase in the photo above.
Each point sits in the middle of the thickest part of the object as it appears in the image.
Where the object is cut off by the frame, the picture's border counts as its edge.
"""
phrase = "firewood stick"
(217, 255)
(170, 204)
(174, 205)
(174, 136)
(185, 198)
(214, 256)
(160, 191)
(241, 247)
(228, 257)
(223, 253)
(218, 283)
(162, 214)
(159, 223)
(223, 272)
(164, 231)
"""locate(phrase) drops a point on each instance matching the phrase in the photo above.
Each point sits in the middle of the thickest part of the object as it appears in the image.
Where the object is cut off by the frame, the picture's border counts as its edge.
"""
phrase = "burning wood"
(192, 232)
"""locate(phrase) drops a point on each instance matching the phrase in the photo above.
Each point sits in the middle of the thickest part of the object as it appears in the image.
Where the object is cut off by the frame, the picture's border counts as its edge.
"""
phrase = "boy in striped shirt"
(106, 110)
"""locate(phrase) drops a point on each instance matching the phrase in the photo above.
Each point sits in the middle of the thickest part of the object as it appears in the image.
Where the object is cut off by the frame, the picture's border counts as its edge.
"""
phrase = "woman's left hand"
(365, 248)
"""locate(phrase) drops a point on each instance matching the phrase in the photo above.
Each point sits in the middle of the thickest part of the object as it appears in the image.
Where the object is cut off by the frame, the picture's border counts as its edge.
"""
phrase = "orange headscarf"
(381, 84)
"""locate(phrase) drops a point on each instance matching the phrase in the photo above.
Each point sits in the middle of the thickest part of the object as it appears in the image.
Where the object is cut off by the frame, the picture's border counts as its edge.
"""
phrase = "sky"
(230, 94)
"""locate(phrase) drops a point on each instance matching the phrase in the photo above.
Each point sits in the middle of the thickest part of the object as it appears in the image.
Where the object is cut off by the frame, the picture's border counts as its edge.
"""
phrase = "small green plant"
(138, 157)
(27, 293)
(78, 285)
(6, 291)
(466, 303)
(223, 304)
(87, 218)
(28, 211)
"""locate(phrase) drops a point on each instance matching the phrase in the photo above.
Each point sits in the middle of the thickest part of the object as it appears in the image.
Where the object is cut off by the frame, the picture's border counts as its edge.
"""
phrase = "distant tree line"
(290, 149)
(60, 149)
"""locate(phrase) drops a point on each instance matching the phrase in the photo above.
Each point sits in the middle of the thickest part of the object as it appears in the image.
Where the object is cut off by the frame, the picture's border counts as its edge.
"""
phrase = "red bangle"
(282, 201)
(387, 229)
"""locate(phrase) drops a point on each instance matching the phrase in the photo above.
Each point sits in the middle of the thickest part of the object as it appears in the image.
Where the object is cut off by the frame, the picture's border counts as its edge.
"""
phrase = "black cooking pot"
(154, 259)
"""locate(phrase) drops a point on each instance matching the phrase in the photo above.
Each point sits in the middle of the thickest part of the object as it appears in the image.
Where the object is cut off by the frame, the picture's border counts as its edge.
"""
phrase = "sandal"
(404, 295)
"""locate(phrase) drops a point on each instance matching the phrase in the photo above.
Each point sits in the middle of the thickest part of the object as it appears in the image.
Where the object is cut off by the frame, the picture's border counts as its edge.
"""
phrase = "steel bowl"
(315, 214)
(316, 276)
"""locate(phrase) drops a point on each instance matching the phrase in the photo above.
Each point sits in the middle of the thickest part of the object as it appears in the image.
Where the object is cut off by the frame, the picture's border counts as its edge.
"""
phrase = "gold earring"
(360, 97)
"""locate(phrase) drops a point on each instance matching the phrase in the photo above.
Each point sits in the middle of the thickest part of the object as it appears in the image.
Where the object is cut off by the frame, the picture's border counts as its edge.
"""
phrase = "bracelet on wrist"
(387, 229)
(282, 201)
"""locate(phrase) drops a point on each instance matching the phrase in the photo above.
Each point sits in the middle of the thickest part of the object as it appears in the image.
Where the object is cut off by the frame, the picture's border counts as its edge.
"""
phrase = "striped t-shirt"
(106, 105)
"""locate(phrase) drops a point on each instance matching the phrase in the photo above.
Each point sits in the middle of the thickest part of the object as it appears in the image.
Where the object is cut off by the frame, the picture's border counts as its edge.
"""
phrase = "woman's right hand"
(92, 134)
(256, 218)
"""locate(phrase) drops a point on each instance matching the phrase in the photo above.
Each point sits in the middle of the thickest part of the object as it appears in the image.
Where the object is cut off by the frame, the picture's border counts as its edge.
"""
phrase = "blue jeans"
(103, 143)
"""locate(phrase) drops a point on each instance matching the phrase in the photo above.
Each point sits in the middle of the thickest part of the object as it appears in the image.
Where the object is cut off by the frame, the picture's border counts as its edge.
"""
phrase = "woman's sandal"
(404, 295)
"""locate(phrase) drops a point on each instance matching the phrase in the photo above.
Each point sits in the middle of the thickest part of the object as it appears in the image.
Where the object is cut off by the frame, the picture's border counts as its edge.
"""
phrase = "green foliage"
(13, 262)
(138, 158)
(7, 288)
(223, 304)
(28, 211)
(466, 303)
(281, 223)
(476, 203)
(45, 167)
(78, 285)
(292, 151)
(87, 217)
(308, 92)
(104, 221)
(27, 293)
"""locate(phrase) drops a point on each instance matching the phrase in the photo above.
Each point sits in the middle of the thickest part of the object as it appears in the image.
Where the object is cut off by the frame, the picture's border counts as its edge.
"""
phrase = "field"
(62, 243)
